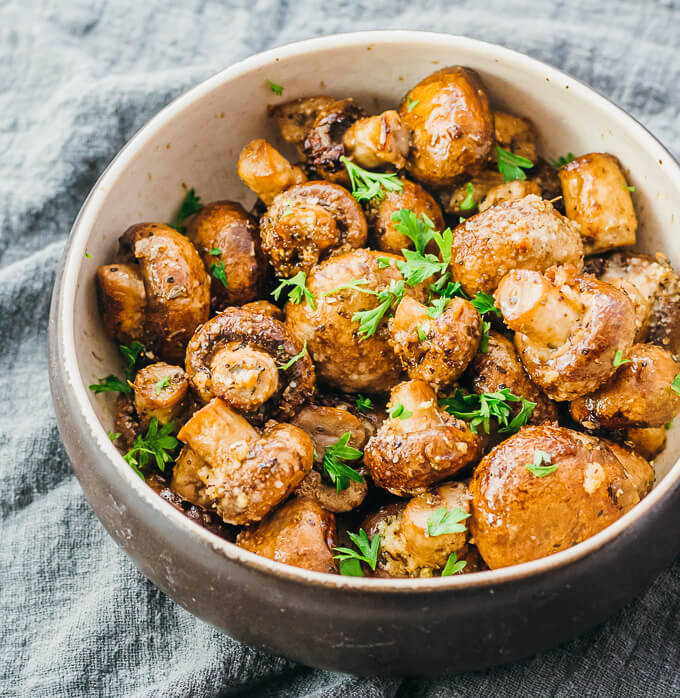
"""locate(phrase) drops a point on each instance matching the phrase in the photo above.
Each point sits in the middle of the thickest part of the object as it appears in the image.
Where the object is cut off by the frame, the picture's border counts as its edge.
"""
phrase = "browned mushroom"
(596, 196)
(516, 134)
(420, 444)
(376, 141)
(649, 442)
(122, 301)
(451, 126)
(436, 350)
(636, 467)
(639, 394)
(509, 191)
(228, 237)
(186, 480)
(264, 308)
(176, 284)
(265, 171)
(160, 391)
(296, 118)
(245, 475)
(300, 533)
(524, 234)
(307, 222)
(245, 359)
(568, 329)
(126, 421)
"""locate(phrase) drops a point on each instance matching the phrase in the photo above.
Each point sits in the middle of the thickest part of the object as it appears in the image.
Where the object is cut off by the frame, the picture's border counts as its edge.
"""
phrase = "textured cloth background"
(77, 79)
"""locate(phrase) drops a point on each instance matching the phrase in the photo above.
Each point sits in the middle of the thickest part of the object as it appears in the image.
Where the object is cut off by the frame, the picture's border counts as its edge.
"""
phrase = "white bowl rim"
(73, 260)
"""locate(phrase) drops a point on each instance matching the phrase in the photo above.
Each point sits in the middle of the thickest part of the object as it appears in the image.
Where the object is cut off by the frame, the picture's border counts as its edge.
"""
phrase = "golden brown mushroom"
(639, 394)
(265, 171)
(516, 134)
(264, 308)
(122, 300)
(596, 196)
(519, 516)
(420, 445)
(649, 442)
(524, 234)
(186, 481)
(160, 391)
(307, 222)
(509, 191)
(567, 328)
(451, 126)
(636, 467)
(377, 141)
(224, 233)
(300, 533)
(296, 118)
(343, 358)
(245, 475)
(436, 350)
(380, 211)
(239, 356)
(176, 284)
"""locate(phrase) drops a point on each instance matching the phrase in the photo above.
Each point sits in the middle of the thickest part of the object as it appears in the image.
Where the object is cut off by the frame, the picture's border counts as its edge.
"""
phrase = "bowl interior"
(195, 143)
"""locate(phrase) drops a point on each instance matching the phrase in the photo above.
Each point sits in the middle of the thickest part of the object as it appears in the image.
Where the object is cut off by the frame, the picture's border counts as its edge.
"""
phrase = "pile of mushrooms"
(335, 381)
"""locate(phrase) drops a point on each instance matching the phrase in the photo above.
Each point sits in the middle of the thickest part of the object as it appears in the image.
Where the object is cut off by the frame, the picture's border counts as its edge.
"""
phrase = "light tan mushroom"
(377, 141)
(161, 391)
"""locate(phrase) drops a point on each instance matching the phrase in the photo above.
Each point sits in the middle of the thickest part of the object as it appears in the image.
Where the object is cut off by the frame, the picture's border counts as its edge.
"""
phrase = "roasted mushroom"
(596, 196)
(639, 394)
(326, 426)
(176, 285)
(126, 421)
(516, 134)
(636, 467)
(122, 300)
(343, 357)
(264, 308)
(265, 171)
(524, 234)
(436, 350)
(568, 329)
(307, 222)
(160, 391)
(509, 191)
(647, 441)
(521, 513)
(252, 362)
(420, 444)
(499, 367)
(186, 481)
(658, 285)
(451, 126)
(300, 533)
(227, 237)
(380, 211)
(296, 118)
(245, 475)
(377, 141)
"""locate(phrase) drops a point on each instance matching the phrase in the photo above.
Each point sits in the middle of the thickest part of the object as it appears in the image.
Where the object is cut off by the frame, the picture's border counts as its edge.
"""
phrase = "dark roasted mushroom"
(122, 300)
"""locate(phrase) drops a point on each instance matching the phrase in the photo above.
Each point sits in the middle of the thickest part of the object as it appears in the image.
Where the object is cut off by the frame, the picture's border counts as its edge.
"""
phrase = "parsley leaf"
(619, 360)
(469, 202)
(442, 521)
(216, 252)
(88, 255)
(297, 357)
(537, 468)
(276, 89)
(370, 319)
(399, 411)
(368, 549)
(485, 303)
(110, 384)
(351, 568)
(630, 187)
(484, 341)
(675, 385)
(340, 473)
(354, 284)
(131, 354)
(162, 383)
(219, 272)
(298, 289)
(453, 565)
(368, 185)
(190, 204)
(562, 160)
(411, 104)
(114, 435)
(158, 443)
(421, 333)
(364, 404)
(438, 307)
(479, 409)
(512, 166)
(448, 288)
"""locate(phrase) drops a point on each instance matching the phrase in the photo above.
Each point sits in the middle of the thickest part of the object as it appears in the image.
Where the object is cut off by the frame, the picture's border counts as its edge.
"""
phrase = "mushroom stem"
(418, 398)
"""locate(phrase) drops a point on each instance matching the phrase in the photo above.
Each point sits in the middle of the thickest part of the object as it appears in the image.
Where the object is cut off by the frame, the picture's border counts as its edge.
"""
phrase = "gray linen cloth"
(77, 79)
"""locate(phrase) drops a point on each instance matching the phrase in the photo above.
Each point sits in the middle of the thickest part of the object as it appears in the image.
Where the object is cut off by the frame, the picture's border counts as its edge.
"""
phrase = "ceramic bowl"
(357, 625)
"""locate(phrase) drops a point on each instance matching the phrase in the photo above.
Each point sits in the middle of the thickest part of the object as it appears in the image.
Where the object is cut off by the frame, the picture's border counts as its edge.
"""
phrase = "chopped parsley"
(367, 185)
(537, 468)
(438, 307)
(619, 360)
(131, 354)
(114, 435)
(512, 166)
(370, 319)
(364, 404)
(156, 443)
(190, 204)
(675, 385)
(113, 384)
(276, 89)
(399, 411)
(630, 187)
(368, 550)
(298, 290)
(88, 255)
(162, 383)
(485, 303)
(216, 252)
(479, 409)
(219, 272)
(411, 104)
(110, 384)
(340, 473)
(484, 341)
(562, 160)
(421, 333)
(453, 565)
(469, 202)
(442, 521)
(295, 359)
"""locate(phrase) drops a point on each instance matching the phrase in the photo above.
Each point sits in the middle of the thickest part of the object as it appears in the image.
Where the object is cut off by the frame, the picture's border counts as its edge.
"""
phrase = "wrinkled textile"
(77, 79)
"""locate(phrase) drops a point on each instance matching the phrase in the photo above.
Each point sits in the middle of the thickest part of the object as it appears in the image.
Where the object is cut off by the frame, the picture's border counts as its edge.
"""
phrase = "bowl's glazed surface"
(357, 625)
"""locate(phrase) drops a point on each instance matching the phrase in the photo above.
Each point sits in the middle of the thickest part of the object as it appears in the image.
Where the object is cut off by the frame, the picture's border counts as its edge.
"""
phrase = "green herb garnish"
(340, 473)
(485, 303)
(114, 435)
(675, 385)
(295, 359)
(619, 360)
(484, 341)
(276, 89)
(219, 272)
(411, 104)
(512, 166)
(630, 187)
(368, 549)
(298, 290)
(537, 468)
(364, 404)
(156, 443)
(562, 160)
(421, 333)
(438, 307)
(110, 384)
(442, 521)
(162, 383)
(399, 411)
(131, 354)
(190, 204)
(367, 185)
(453, 565)
(469, 202)
(369, 320)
